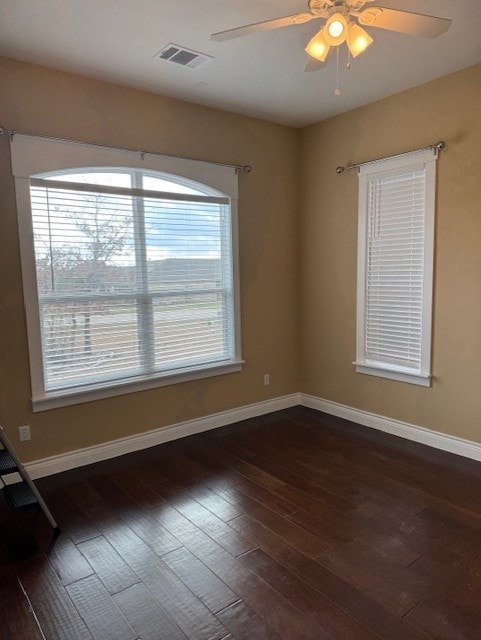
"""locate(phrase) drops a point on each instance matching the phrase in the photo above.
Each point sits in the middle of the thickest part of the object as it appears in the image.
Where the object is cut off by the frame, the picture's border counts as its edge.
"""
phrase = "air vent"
(181, 55)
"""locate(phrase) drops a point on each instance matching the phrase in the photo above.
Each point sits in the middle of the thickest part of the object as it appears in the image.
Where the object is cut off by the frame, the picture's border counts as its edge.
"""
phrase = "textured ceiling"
(261, 75)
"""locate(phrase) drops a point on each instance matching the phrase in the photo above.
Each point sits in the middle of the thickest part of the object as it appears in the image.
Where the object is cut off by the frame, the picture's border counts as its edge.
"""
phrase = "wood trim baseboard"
(435, 439)
(97, 453)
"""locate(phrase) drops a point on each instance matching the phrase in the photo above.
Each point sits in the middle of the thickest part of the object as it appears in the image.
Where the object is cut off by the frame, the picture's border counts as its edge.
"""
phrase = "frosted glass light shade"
(317, 47)
(358, 40)
(335, 30)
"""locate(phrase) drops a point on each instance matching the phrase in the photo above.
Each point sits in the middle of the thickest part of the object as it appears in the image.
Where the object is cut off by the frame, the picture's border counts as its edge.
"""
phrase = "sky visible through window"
(169, 227)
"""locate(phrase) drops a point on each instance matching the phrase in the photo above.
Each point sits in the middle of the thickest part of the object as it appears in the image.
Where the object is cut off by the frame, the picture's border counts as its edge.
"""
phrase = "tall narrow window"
(135, 281)
(395, 267)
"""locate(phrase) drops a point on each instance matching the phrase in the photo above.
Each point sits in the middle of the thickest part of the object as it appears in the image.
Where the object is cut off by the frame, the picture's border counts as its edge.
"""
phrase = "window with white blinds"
(135, 282)
(395, 264)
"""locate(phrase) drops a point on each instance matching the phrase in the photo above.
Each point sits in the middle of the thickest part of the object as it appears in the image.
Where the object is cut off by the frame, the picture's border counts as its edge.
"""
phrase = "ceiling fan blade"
(314, 65)
(287, 21)
(415, 24)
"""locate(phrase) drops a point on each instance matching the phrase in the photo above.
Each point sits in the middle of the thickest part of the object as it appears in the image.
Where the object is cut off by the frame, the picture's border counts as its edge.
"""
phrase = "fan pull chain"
(337, 92)
(348, 59)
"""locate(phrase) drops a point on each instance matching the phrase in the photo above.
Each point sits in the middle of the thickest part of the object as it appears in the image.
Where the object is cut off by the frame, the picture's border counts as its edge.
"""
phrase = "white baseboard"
(114, 448)
(432, 438)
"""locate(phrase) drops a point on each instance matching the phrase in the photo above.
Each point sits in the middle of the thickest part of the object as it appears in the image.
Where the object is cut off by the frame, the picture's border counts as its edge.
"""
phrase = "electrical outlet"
(24, 433)
(267, 379)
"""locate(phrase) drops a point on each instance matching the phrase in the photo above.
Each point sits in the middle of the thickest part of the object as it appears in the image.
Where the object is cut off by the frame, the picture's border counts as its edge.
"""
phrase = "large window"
(395, 267)
(134, 281)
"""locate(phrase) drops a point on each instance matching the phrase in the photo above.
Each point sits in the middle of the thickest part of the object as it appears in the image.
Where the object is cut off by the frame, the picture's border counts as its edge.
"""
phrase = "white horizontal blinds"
(130, 281)
(395, 268)
(189, 279)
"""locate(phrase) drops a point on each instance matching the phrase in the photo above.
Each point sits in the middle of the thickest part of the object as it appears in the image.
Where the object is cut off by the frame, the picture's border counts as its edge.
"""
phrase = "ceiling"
(260, 75)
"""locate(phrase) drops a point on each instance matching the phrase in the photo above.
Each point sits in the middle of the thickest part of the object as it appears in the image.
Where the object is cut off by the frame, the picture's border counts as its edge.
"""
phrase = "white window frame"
(412, 162)
(32, 156)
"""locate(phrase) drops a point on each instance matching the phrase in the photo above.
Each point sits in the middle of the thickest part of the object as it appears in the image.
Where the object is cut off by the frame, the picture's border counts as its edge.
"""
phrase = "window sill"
(401, 375)
(65, 398)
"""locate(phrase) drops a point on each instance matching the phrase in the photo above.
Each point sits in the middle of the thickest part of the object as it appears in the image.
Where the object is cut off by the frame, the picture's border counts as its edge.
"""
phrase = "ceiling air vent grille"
(182, 56)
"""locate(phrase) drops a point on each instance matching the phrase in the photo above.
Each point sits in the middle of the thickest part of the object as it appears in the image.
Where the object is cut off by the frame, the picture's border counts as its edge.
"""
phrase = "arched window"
(134, 279)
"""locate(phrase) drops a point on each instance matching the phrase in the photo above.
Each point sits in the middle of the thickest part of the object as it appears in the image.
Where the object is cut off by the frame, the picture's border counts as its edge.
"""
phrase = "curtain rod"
(434, 147)
(246, 168)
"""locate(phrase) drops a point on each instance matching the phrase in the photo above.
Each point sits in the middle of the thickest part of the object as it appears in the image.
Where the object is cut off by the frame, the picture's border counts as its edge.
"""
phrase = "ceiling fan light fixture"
(335, 30)
(358, 40)
(317, 46)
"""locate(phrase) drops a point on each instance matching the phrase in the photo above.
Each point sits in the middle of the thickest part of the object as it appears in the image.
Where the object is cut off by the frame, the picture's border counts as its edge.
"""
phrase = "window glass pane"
(395, 267)
(395, 259)
(189, 329)
(83, 241)
(88, 341)
(183, 244)
(105, 178)
(130, 285)
(161, 184)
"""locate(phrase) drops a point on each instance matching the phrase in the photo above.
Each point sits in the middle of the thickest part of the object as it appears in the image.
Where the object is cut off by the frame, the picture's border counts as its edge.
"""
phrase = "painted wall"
(449, 109)
(298, 245)
(38, 100)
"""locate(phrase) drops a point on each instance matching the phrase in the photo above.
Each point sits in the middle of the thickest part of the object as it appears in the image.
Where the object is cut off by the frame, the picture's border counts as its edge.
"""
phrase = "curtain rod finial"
(340, 170)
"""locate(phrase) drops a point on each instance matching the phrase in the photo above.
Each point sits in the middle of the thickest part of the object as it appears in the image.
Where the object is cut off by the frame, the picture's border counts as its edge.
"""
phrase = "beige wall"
(449, 109)
(34, 99)
(298, 236)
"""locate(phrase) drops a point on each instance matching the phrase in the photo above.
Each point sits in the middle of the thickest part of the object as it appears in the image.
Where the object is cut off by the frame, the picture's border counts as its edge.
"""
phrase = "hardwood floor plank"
(294, 526)
(17, 621)
(274, 501)
(101, 615)
(321, 527)
(403, 537)
(205, 520)
(452, 526)
(137, 519)
(438, 583)
(69, 564)
(109, 567)
(136, 490)
(246, 469)
(147, 473)
(309, 601)
(475, 567)
(273, 608)
(310, 487)
(216, 503)
(146, 615)
(57, 616)
(371, 574)
(188, 612)
(447, 622)
(70, 518)
(187, 470)
(308, 543)
(245, 624)
(80, 491)
(261, 598)
(214, 593)
(338, 591)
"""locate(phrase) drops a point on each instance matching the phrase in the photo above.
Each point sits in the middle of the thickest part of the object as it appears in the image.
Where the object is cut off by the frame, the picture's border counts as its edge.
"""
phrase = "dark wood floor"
(295, 525)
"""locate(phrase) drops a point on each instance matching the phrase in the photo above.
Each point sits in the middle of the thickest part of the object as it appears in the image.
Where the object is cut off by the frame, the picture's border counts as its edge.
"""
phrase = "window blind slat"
(394, 276)
(130, 281)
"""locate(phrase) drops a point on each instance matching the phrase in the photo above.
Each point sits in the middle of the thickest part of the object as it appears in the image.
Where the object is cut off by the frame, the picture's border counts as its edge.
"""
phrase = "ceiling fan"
(343, 24)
